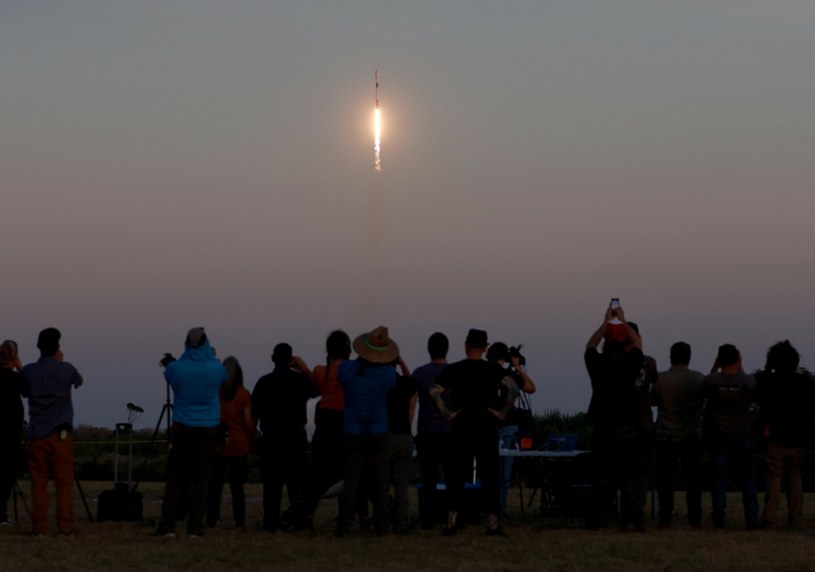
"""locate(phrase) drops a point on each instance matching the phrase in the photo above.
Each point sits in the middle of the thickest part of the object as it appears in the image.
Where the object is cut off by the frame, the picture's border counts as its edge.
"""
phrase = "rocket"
(376, 91)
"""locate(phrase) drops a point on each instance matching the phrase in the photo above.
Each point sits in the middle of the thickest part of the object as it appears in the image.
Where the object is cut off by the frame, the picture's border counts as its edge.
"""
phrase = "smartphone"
(615, 304)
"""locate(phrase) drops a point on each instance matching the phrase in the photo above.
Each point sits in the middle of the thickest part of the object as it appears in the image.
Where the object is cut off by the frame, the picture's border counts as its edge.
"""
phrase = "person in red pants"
(47, 383)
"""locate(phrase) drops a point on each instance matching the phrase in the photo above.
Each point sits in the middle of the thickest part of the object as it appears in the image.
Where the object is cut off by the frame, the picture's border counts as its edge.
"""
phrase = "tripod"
(166, 415)
(19, 491)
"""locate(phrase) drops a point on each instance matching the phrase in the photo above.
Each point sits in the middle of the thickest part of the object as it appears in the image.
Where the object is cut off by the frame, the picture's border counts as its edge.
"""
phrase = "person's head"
(376, 346)
(48, 341)
(8, 352)
(281, 355)
(498, 352)
(680, 354)
(235, 379)
(196, 338)
(438, 345)
(476, 341)
(783, 358)
(728, 355)
(337, 346)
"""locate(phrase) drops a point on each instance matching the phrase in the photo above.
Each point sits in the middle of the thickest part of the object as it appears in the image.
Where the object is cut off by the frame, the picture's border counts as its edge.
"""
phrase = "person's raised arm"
(298, 364)
(634, 338)
(527, 385)
(597, 336)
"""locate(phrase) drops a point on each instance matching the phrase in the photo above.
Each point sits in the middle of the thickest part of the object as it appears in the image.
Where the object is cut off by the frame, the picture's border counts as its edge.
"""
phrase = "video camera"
(166, 360)
(515, 352)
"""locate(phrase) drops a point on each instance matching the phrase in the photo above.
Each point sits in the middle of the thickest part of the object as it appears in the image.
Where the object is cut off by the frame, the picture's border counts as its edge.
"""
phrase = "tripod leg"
(14, 496)
(19, 492)
(84, 500)
(164, 411)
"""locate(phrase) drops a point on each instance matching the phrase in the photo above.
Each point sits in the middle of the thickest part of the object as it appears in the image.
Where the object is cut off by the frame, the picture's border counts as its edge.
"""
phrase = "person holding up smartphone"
(619, 443)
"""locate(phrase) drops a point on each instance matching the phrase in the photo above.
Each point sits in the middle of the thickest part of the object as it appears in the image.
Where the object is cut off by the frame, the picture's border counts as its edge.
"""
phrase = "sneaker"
(163, 533)
(8, 522)
(497, 531)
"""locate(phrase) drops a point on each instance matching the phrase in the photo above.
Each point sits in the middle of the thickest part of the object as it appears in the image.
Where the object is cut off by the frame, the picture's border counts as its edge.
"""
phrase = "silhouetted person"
(433, 438)
(620, 441)
(326, 443)
(196, 379)
(786, 397)
(401, 405)
(48, 383)
(240, 428)
(678, 397)
(279, 404)
(498, 352)
(11, 423)
(727, 433)
(481, 394)
(367, 381)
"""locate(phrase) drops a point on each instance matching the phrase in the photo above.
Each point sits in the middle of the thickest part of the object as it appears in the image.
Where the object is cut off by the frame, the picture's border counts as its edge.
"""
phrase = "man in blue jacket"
(196, 379)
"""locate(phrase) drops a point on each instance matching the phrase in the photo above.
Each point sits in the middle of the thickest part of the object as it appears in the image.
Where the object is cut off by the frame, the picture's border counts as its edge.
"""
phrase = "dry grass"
(534, 544)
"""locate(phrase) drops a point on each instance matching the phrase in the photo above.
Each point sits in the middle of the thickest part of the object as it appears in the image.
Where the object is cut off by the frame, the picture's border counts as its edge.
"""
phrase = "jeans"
(506, 437)
(475, 439)
(433, 449)
(400, 458)
(685, 458)
(326, 455)
(622, 458)
(236, 467)
(284, 460)
(189, 467)
(366, 463)
(738, 453)
(10, 454)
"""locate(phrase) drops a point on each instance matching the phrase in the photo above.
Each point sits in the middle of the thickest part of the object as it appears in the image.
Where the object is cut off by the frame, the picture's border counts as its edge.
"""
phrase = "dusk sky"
(176, 163)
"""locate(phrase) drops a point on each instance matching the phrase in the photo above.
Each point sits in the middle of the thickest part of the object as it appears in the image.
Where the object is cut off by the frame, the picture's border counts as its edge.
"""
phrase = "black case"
(123, 502)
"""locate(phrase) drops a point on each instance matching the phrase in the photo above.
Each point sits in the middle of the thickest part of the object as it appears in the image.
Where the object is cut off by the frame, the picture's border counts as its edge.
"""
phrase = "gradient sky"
(175, 163)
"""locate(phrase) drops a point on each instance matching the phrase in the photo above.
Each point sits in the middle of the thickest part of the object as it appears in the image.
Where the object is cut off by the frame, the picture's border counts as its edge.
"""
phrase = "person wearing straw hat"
(366, 382)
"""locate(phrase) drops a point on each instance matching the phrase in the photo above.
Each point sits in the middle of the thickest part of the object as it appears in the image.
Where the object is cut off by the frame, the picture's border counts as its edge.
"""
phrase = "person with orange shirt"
(237, 422)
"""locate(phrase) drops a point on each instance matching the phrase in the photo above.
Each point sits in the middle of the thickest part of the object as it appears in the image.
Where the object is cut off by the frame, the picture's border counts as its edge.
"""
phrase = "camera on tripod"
(166, 360)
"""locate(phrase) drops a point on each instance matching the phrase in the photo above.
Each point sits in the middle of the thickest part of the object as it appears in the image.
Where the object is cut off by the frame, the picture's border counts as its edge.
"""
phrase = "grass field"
(534, 543)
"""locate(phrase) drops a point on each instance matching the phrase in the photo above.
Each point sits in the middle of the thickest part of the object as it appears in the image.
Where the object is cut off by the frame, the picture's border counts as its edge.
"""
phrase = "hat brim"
(375, 355)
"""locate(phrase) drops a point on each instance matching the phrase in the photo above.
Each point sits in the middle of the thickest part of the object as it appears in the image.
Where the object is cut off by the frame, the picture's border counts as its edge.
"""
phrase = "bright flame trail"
(377, 127)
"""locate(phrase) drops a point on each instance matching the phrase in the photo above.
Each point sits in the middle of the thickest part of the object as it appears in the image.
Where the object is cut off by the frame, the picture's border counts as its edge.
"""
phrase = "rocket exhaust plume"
(377, 126)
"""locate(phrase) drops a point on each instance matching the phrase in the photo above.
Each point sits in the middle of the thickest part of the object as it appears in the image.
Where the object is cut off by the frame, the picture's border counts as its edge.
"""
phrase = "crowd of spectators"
(363, 444)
